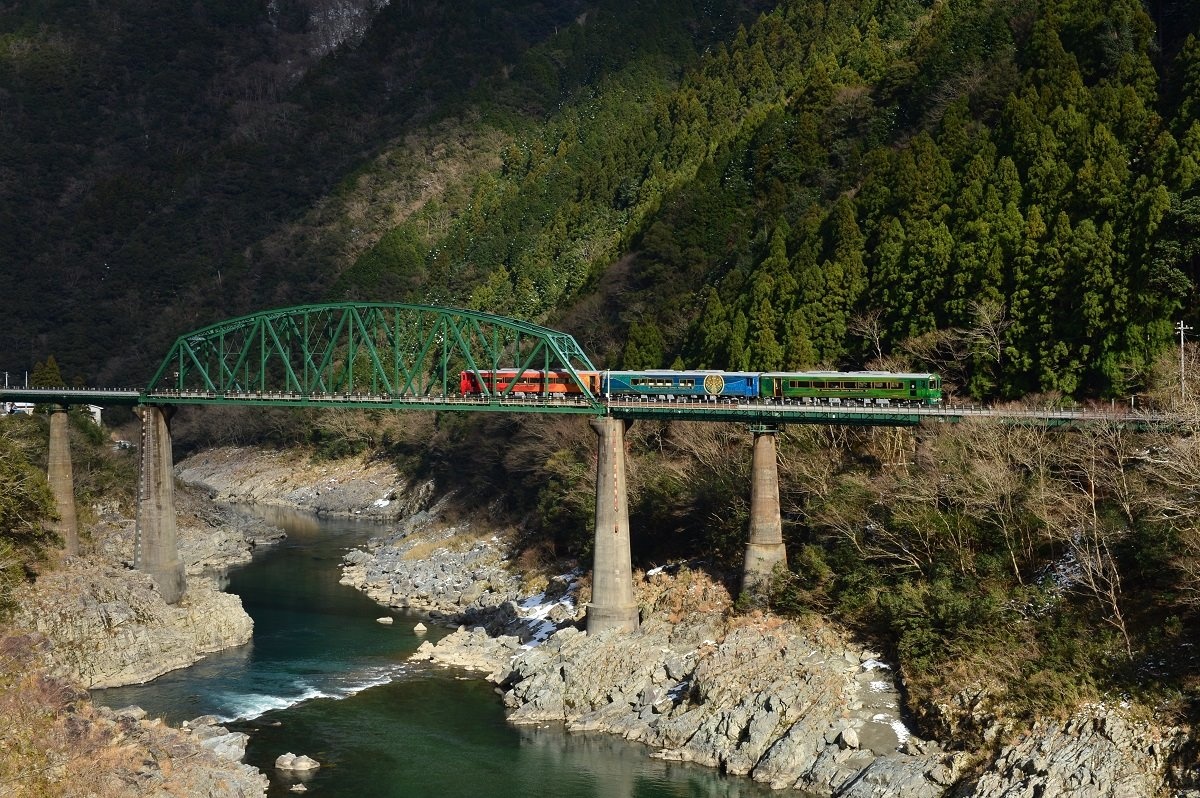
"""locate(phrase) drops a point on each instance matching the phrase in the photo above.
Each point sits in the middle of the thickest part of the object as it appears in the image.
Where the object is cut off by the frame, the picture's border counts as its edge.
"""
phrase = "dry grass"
(674, 597)
(54, 742)
(461, 540)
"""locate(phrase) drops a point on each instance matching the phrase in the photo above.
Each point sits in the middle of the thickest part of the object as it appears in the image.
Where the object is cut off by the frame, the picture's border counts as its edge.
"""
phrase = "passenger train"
(883, 388)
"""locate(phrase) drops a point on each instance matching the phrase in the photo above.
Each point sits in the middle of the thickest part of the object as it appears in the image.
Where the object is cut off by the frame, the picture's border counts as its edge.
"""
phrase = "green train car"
(882, 388)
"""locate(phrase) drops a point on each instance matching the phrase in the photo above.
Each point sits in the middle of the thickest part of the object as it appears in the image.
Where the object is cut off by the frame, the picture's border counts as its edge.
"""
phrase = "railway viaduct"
(408, 357)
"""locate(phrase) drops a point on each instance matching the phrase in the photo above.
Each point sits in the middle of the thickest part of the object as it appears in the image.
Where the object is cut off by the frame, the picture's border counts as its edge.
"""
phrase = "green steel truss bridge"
(410, 357)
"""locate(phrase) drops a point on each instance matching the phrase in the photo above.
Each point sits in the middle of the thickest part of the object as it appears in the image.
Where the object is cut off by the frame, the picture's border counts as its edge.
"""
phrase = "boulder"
(290, 761)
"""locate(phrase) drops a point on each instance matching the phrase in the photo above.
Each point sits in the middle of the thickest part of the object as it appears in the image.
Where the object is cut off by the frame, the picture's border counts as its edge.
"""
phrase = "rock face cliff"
(108, 626)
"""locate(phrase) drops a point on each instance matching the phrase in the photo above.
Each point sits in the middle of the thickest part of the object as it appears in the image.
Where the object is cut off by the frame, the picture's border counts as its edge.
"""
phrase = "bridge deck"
(747, 412)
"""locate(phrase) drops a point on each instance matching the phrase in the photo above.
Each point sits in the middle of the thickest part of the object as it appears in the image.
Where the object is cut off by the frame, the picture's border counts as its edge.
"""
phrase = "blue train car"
(681, 385)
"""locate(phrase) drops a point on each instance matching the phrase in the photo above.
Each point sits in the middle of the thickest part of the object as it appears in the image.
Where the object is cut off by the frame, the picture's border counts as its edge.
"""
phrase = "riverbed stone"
(292, 762)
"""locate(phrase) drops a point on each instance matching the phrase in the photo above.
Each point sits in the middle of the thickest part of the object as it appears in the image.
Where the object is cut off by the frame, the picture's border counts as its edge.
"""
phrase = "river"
(322, 677)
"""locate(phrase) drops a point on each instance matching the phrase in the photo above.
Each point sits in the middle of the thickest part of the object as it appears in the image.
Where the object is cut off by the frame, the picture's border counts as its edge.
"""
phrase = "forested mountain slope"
(1003, 191)
(166, 165)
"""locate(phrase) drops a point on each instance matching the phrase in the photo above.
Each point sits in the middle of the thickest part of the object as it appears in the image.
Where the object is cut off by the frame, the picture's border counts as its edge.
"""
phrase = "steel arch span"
(356, 354)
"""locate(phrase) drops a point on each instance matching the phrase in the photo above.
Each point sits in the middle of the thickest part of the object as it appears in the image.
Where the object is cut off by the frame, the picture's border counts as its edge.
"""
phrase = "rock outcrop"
(762, 699)
(791, 707)
(290, 761)
(109, 626)
(1097, 753)
(443, 570)
(356, 487)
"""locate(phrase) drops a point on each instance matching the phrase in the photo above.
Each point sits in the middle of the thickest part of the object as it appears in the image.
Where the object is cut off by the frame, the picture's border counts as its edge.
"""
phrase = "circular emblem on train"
(714, 383)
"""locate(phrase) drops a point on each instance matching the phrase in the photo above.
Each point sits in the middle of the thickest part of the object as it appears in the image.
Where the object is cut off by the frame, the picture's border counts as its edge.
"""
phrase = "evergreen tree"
(643, 347)
(46, 374)
(714, 332)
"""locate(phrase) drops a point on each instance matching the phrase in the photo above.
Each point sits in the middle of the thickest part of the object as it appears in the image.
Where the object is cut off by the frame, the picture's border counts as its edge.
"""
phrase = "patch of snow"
(654, 571)
(536, 608)
(880, 687)
(381, 502)
(874, 664)
(902, 732)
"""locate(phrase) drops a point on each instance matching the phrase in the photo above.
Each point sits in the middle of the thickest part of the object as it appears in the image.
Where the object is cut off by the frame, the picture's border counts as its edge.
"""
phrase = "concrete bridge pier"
(765, 549)
(61, 478)
(612, 605)
(156, 546)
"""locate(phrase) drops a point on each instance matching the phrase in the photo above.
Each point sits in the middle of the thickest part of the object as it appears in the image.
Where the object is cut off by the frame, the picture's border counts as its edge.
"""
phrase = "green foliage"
(566, 507)
(392, 270)
(25, 505)
(643, 347)
(46, 374)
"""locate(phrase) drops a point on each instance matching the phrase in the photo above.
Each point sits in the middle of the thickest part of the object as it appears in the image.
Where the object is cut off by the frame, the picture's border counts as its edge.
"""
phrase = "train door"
(777, 387)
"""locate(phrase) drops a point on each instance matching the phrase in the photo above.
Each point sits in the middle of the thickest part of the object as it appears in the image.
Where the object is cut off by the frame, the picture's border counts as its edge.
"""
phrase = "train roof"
(881, 374)
(679, 372)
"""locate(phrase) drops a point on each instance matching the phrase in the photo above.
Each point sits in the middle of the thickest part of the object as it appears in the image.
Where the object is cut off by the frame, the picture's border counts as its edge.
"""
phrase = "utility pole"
(1181, 328)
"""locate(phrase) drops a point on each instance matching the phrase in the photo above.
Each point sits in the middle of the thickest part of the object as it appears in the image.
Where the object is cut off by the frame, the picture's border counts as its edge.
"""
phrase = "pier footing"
(612, 605)
(765, 550)
(156, 546)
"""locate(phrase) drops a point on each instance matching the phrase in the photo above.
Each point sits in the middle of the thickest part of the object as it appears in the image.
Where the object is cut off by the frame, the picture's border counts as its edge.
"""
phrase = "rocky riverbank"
(106, 624)
(795, 706)
(361, 486)
(94, 621)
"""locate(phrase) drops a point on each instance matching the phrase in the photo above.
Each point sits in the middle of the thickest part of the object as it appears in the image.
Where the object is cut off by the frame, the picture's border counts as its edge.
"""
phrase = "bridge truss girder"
(369, 355)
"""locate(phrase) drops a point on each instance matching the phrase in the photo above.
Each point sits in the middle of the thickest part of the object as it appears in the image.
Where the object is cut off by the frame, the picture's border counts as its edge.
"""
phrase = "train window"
(687, 383)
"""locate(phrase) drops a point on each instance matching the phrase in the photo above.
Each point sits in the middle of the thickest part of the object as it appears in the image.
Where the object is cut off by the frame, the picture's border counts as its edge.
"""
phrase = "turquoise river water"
(321, 677)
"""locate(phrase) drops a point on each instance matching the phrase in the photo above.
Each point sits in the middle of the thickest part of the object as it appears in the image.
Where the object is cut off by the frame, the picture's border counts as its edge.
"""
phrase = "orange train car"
(530, 381)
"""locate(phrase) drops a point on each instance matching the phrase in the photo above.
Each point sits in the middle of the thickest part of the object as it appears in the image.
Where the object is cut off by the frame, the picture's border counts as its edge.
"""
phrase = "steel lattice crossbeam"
(366, 354)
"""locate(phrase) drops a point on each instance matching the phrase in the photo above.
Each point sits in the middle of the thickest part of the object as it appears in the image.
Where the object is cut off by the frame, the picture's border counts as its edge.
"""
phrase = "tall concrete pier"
(765, 549)
(156, 546)
(62, 481)
(612, 605)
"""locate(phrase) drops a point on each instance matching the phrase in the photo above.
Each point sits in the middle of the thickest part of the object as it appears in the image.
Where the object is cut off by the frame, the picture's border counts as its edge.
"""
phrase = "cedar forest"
(1004, 191)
